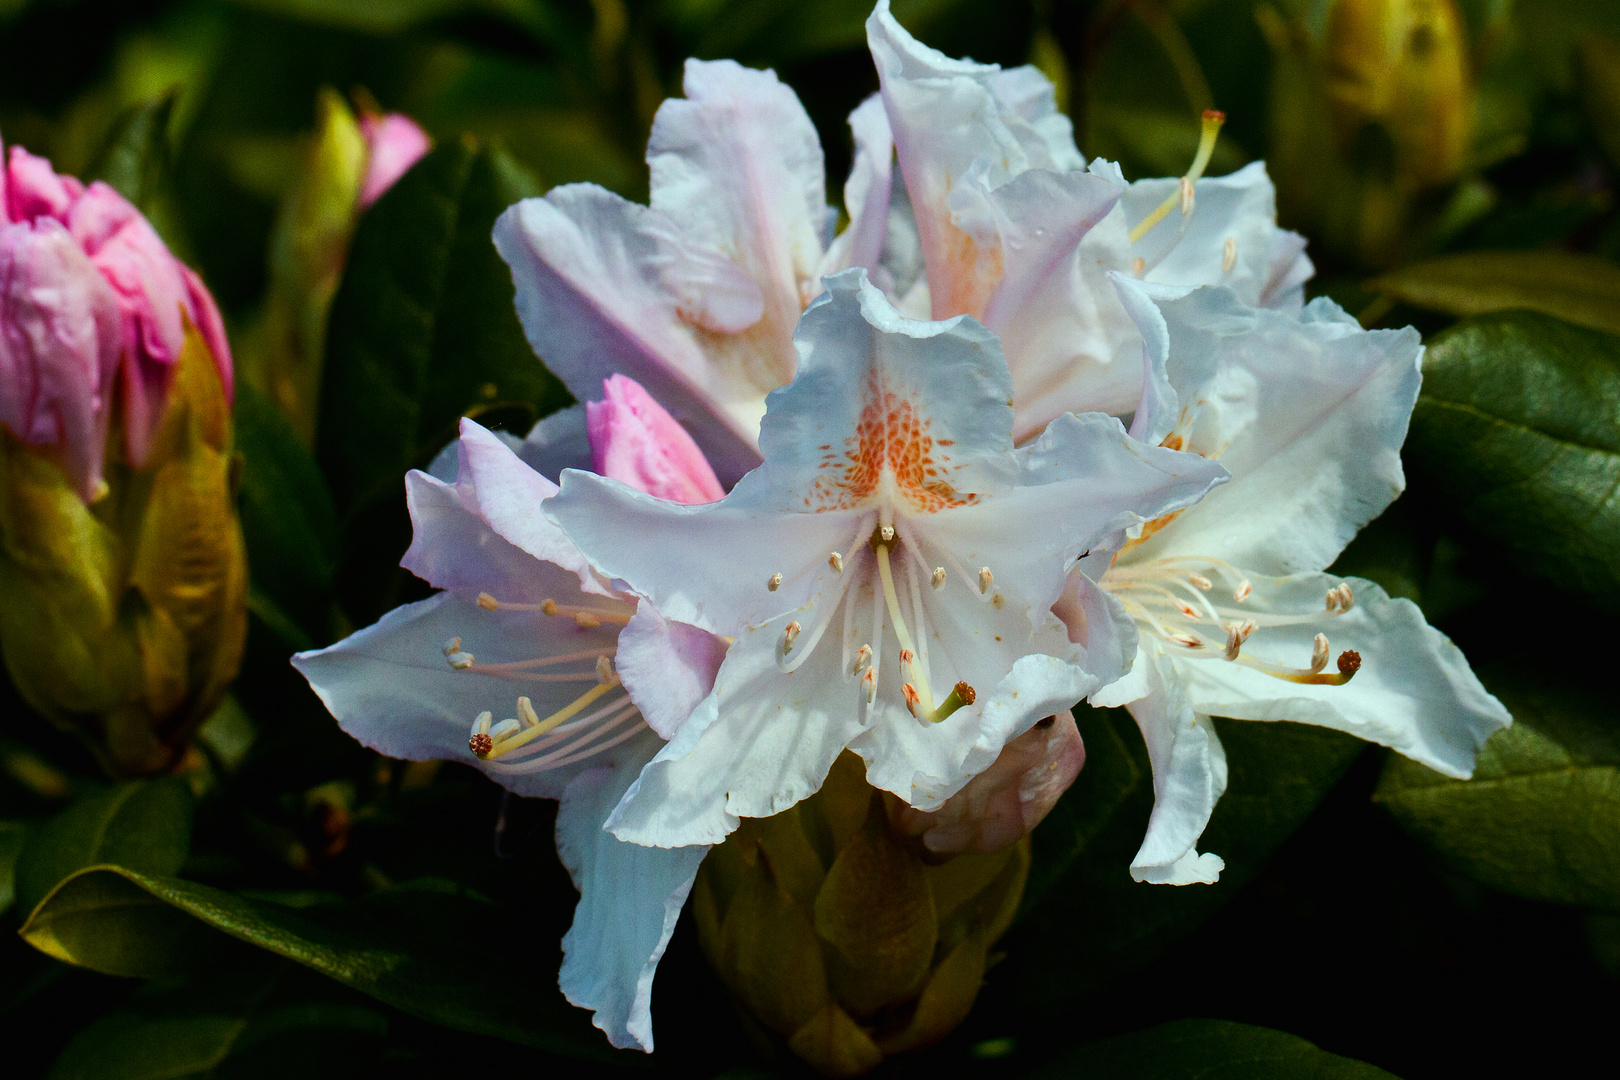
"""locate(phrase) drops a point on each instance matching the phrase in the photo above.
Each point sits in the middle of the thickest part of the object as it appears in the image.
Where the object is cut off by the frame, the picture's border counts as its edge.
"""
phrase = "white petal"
(392, 688)
(630, 899)
(866, 192)
(737, 165)
(1097, 622)
(1189, 775)
(1308, 412)
(945, 115)
(1240, 208)
(507, 494)
(558, 442)
(1031, 228)
(1084, 482)
(592, 275)
(1291, 268)
(1414, 692)
(760, 743)
(707, 564)
(668, 667)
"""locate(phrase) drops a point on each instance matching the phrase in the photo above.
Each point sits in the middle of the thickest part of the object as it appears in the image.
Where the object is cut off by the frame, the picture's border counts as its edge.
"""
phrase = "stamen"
(482, 722)
(997, 600)
(1236, 635)
(863, 659)
(790, 634)
(1319, 653)
(869, 681)
(913, 701)
(1199, 581)
(585, 617)
(604, 670)
(1340, 599)
(452, 646)
(836, 561)
(1212, 121)
(1186, 641)
(938, 578)
(891, 599)
(985, 578)
(775, 582)
(1138, 265)
(1241, 593)
(461, 661)
(488, 602)
(526, 712)
(506, 739)
(1229, 255)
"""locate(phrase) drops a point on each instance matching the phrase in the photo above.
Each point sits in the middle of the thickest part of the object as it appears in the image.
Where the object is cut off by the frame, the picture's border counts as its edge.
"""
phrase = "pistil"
(1182, 196)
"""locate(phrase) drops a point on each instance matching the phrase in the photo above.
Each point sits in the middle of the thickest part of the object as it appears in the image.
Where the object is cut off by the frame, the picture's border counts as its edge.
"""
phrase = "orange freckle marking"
(890, 435)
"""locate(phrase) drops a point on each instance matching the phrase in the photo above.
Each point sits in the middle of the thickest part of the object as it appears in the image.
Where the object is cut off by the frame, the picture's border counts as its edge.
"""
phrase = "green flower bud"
(125, 618)
(842, 935)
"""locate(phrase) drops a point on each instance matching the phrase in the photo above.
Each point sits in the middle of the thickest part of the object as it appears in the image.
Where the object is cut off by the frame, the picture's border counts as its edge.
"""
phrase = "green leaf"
(1207, 1050)
(262, 1016)
(393, 16)
(1085, 921)
(141, 824)
(423, 331)
(1541, 815)
(12, 835)
(1517, 434)
(287, 516)
(135, 157)
(432, 951)
(1581, 289)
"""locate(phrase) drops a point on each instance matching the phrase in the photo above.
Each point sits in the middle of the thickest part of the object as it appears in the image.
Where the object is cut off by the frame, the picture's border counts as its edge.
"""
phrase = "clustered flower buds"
(120, 553)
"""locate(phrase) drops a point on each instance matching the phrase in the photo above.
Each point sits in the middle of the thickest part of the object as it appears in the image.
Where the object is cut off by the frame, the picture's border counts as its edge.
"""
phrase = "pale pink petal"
(59, 341)
(394, 143)
(635, 440)
(34, 189)
(1003, 804)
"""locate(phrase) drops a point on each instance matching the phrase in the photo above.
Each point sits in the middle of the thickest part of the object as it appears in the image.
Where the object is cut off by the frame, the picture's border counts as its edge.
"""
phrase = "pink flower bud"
(394, 143)
(59, 346)
(154, 293)
(1006, 801)
(33, 189)
(635, 440)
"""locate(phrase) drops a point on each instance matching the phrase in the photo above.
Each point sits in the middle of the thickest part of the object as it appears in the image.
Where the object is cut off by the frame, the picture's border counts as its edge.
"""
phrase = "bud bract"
(841, 935)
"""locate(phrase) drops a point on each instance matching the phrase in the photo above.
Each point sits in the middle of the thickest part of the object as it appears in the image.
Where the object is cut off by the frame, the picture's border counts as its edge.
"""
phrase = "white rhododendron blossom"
(546, 677)
(696, 295)
(888, 574)
(1307, 411)
(993, 212)
(1016, 230)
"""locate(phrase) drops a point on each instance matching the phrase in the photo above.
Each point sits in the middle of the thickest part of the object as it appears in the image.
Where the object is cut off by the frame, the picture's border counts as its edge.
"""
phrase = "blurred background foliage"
(289, 901)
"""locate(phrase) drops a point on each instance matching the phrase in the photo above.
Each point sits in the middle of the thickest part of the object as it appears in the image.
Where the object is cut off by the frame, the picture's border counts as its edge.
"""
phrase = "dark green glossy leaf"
(287, 517)
(1207, 1050)
(423, 331)
(259, 1017)
(424, 326)
(1581, 289)
(1517, 435)
(142, 824)
(432, 951)
(1541, 816)
(1084, 920)
(135, 158)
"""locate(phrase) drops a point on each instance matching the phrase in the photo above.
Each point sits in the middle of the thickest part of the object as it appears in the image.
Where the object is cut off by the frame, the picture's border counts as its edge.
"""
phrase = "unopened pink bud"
(153, 292)
(394, 143)
(1005, 802)
(33, 189)
(634, 439)
(59, 346)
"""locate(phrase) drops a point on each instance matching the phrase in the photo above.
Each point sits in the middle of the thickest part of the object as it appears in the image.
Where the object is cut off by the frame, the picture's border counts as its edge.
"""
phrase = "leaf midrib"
(1501, 421)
